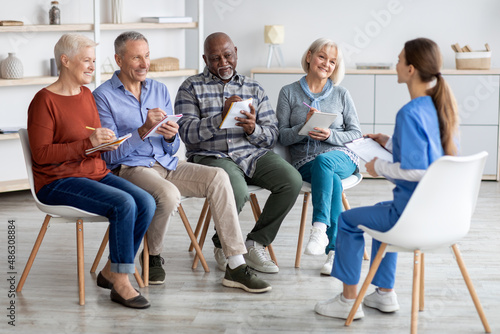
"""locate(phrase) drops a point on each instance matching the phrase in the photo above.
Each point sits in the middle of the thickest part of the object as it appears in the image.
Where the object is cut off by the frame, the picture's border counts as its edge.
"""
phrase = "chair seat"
(347, 183)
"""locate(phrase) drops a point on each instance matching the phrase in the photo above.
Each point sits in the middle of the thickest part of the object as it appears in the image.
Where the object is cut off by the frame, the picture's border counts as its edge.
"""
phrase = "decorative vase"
(11, 67)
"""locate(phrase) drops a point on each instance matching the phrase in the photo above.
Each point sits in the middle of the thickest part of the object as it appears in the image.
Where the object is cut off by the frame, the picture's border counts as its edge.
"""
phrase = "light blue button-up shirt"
(121, 112)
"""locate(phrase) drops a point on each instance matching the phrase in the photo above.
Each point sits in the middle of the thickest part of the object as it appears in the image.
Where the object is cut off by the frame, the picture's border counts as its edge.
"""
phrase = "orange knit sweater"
(58, 137)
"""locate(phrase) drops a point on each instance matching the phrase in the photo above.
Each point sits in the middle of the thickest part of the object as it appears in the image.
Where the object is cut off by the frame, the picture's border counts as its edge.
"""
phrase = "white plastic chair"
(437, 215)
(58, 213)
(347, 183)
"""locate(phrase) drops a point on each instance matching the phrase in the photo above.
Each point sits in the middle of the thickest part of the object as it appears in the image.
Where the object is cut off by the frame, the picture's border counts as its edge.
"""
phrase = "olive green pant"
(272, 173)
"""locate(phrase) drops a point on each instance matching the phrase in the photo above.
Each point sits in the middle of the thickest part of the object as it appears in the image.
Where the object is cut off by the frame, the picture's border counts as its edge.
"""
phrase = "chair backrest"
(53, 210)
(282, 151)
(440, 209)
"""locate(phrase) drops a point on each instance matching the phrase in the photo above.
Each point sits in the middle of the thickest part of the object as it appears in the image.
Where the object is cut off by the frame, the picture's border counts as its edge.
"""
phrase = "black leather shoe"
(103, 282)
(136, 302)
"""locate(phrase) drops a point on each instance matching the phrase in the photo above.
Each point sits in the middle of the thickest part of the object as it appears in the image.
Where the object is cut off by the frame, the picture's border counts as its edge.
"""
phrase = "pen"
(307, 105)
(90, 128)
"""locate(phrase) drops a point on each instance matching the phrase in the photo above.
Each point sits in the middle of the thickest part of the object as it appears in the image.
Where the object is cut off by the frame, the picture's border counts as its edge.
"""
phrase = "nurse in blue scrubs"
(426, 128)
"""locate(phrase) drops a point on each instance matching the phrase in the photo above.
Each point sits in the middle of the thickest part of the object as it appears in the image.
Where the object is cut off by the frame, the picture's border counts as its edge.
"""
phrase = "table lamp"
(274, 35)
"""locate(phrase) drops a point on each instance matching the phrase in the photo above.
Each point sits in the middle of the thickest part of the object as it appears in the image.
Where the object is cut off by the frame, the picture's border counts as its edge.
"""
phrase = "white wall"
(367, 30)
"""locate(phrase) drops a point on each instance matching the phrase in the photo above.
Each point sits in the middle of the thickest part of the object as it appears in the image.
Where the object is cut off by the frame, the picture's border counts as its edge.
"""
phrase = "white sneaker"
(387, 302)
(258, 259)
(221, 259)
(327, 267)
(337, 308)
(318, 240)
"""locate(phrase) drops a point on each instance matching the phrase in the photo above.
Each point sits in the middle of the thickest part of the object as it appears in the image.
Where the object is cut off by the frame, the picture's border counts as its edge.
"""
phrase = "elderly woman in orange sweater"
(59, 118)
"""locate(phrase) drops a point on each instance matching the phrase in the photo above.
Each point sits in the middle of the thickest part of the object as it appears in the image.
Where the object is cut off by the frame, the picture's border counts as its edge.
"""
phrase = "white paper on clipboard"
(368, 149)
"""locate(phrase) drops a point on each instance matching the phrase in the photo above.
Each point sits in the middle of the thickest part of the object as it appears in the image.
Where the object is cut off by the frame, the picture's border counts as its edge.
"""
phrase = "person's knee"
(167, 198)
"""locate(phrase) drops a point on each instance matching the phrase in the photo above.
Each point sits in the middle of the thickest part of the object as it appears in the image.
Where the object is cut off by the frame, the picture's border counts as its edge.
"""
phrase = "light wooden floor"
(195, 302)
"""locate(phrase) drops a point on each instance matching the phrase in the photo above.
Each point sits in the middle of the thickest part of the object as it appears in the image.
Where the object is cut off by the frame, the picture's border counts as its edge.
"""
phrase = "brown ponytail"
(425, 56)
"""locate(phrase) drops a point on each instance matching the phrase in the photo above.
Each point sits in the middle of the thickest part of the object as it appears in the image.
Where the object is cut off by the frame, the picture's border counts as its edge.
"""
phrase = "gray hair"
(318, 45)
(70, 45)
(121, 40)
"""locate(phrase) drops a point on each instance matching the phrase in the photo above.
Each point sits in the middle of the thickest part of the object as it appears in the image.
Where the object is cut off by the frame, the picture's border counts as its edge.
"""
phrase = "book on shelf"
(167, 19)
(11, 23)
(373, 66)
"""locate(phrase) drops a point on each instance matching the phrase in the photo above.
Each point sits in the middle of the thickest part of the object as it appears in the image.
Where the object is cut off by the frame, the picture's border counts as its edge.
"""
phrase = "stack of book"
(167, 19)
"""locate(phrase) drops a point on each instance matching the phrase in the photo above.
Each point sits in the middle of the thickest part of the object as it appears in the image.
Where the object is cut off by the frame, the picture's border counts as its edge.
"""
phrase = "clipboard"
(368, 149)
(152, 132)
(118, 141)
(234, 111)
(317, 120)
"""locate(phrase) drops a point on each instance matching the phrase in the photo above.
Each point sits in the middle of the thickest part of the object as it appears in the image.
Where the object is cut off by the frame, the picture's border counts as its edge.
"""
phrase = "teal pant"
(325, 173)
(272, 173)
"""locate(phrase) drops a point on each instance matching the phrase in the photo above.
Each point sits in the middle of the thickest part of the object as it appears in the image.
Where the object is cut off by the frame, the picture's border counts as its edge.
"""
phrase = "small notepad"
(118, 141)
(152, 131)
(235, 111)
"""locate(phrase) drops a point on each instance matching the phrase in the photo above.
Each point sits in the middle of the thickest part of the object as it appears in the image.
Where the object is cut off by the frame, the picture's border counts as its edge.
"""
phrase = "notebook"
(318, 120)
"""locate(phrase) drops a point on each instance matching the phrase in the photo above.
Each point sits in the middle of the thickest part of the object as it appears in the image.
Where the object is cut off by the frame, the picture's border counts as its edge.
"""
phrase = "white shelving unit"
(12, 172)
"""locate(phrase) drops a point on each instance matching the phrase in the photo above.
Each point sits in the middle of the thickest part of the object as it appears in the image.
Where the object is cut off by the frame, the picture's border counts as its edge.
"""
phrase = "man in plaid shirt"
(245, 151)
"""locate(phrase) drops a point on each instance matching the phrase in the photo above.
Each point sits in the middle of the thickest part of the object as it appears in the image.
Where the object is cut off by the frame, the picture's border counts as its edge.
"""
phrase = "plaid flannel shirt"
(200, 100)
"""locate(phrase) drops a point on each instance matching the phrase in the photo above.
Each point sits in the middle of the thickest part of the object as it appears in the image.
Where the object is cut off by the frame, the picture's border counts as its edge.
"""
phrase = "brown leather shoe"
(136, 302)
(103, 282)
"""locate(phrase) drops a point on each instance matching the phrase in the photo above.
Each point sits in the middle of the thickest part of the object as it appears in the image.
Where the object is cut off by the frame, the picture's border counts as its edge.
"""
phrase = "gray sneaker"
(241, 277)
(220, 257)
(258, 259)
(156, 271)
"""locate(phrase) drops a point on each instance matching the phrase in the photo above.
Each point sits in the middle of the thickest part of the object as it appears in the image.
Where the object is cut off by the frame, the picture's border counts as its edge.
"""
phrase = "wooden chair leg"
(422, 283)
(366, 283)
(138, 278)
(302, 228)
(98, 256)
(190, 233)
(470, 286)
(348, 207)
(203, 236)
(34, 251)
(203, 217)
(145, 260)
(415, 292)
(80, 260)
(256, 214)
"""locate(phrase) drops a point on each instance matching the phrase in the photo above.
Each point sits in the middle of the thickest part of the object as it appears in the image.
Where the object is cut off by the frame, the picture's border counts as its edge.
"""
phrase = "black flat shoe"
(136, 302)
(103, 282)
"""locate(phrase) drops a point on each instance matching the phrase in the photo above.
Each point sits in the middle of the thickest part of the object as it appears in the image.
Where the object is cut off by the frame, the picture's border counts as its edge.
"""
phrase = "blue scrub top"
(416, 144)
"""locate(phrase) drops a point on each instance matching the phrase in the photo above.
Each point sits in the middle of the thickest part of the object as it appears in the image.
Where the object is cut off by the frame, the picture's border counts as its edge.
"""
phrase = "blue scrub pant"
(351, 243)
(325, 173)
(128, 208)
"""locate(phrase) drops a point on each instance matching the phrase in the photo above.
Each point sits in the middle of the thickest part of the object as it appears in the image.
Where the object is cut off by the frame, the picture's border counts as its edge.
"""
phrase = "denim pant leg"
(325, 173)
(128, 208)
(350, 244)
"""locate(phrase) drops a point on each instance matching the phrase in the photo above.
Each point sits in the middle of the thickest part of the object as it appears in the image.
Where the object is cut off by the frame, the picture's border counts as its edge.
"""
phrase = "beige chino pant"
(194, 180)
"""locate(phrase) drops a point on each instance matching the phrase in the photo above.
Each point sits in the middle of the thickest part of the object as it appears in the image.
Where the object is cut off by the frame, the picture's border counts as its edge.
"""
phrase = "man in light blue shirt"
(131, 103)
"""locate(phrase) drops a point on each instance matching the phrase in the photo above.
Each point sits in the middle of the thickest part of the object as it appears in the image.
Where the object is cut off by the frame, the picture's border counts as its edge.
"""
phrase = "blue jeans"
(128, 208)
(351, 244)
(325, 173)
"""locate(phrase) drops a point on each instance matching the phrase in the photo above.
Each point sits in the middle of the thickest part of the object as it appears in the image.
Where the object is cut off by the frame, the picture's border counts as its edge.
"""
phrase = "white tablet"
(318, 120)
